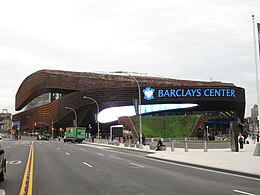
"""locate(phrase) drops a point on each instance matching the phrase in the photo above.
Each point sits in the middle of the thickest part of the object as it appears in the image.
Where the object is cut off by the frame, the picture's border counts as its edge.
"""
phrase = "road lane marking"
(82, 149)
(67, 153)
(242, 192)
(87, 164)
(28, 173)
(175, 163)
(14, 162)
(22, 190)
(2, 192)
(137, 165)
(58, 148)
(31, 174)
(100, 154)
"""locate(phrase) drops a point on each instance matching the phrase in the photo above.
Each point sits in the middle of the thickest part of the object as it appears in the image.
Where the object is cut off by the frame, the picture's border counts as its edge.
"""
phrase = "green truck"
(75, 134)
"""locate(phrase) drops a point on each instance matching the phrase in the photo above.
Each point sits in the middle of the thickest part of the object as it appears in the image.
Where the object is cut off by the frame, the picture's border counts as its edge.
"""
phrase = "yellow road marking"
(31, 173)
(29, 164)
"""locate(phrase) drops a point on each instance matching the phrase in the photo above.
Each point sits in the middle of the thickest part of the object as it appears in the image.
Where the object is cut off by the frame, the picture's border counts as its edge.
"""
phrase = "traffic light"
(35, 124)
(52, 129)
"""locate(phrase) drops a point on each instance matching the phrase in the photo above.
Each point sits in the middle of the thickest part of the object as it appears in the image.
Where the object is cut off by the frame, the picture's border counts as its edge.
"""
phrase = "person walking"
(254, 138)
(241, 140)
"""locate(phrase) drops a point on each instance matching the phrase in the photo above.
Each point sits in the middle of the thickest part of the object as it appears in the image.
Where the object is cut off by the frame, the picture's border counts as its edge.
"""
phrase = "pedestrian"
(143, 140)
(253, 138)
(241, 140)
(93, 138)
(159, 145)
(244, 134)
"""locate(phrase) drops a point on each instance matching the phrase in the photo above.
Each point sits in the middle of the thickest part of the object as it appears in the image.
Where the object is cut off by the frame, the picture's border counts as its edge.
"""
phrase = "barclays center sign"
(150, 92)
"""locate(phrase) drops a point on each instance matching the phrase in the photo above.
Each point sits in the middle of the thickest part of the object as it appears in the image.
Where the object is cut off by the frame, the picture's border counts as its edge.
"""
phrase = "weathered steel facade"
(111, 90)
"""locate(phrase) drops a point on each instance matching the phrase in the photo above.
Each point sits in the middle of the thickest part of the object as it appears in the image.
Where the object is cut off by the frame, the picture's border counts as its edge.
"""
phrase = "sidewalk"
(242, 162)
(223, 159)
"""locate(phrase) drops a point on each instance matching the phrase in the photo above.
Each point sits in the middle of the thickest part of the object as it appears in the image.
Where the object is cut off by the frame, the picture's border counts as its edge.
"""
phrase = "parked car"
(2, 164)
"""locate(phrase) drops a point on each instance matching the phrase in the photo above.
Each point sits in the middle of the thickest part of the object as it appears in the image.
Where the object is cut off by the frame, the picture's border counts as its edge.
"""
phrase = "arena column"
(234, 130)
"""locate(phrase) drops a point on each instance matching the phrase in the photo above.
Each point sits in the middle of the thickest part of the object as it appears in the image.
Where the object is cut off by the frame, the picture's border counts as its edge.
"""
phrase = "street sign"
(16, 123)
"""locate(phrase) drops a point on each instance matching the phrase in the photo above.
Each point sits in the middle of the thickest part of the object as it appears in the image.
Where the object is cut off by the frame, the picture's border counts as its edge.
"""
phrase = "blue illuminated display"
(199, 92)
(148, 93)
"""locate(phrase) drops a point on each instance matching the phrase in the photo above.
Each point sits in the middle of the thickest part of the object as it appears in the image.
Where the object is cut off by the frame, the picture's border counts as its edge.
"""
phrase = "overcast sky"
(187, 39)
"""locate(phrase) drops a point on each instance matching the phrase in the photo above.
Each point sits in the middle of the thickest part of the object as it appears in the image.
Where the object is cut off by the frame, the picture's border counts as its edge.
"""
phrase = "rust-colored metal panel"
(108, 90)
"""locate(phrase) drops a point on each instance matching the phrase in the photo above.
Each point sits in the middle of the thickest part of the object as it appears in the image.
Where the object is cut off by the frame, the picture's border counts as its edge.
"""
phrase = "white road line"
(82, 149)
(136, 165)
(189, 166)
(67, 153)
(87, 164)
(14, 162)
(100, 154)
(58, 148)
(242, 192)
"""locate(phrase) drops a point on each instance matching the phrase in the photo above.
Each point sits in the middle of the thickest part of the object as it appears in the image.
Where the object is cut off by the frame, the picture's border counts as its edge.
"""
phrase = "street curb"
(207, 167)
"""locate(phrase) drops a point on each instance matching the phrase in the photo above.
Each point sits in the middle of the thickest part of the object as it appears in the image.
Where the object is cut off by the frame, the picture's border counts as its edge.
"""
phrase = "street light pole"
(86, 97)
(140, 105)
(74, 113)
(51, 122)
(256, 70)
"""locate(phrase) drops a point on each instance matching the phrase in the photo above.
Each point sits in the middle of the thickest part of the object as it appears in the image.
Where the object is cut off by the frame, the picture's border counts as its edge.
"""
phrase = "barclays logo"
(148, 93)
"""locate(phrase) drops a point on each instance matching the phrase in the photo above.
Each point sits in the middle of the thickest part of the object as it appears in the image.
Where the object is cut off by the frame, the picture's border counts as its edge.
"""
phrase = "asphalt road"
(58, 168)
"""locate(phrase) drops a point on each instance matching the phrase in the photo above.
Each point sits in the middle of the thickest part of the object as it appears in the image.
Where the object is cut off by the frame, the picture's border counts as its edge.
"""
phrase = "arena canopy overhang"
(111, 90)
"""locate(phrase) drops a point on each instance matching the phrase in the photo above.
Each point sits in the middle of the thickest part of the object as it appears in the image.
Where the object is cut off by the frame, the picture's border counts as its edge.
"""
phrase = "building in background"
(253, 120)
(44, 96)
(5, 121)
(254, 113)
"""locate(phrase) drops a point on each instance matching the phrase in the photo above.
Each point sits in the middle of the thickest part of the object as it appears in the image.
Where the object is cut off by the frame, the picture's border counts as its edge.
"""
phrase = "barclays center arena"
(62, 98)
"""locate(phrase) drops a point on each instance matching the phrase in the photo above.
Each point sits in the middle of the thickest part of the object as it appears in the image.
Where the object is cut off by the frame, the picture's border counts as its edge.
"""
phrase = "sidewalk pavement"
(242, 162)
